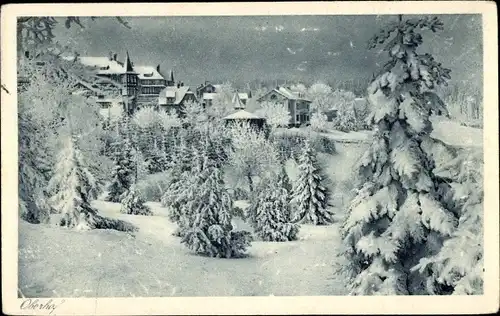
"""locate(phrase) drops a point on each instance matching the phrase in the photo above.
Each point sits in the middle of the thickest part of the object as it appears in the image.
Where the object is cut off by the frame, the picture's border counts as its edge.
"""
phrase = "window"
(297, 118)
(273, 97)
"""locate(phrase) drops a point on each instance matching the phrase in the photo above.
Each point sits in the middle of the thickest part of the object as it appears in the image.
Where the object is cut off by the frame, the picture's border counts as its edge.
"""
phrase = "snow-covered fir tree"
(72, 187)
(123, 172)
(179, 190)
(133, 203)
(206, 217)
(459, 265)
(284, 180)
(272, 220)
(310, 194)
(401, 212)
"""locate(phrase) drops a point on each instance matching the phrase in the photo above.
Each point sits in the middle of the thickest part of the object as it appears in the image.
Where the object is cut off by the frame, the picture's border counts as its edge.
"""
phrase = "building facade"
(296, 102)
(131, 86)
(174, 97)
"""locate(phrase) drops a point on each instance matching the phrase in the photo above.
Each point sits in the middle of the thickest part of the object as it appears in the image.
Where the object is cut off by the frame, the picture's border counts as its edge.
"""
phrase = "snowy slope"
(55, 261)
(449, 131)
(452, 133)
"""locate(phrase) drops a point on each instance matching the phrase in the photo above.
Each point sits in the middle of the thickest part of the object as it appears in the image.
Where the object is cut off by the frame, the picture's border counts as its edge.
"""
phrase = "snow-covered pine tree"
(179, 190)
(399, 214)
(272, 220)
(285, 180)
(123, 172)
(206, 217)
(72, 187)
(133, 203)
(459, 265)
(34, 170)
(310, 194)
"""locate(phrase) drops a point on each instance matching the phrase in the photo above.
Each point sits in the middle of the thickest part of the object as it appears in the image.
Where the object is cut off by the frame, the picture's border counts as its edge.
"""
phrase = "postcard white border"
(489, 302)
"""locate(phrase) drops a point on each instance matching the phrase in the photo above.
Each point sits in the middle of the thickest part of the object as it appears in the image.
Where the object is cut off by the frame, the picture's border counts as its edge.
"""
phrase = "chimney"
(182, 84)
(115, 57)
(158, 68)
(110, 55)
(178, 85)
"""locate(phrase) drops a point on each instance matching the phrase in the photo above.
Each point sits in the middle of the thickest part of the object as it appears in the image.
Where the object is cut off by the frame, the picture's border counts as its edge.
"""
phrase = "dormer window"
(273, 97)
(148, 75)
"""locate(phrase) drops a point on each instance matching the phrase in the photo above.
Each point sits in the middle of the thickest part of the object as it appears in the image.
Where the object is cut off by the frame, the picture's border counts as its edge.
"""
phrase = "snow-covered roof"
(287, 93)
(148, 72)
(204, 86)
(174, 92)
(236, 101)
(242, 115)
(107, 66)
(170, 93)
(243, 96)
(209, 96)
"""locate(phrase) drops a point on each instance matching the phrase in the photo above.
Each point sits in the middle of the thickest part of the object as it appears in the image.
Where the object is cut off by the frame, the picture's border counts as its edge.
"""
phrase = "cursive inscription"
(37, 304)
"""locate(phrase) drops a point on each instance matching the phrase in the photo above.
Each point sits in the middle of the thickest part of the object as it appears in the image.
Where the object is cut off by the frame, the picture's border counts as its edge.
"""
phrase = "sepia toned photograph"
(245, 155)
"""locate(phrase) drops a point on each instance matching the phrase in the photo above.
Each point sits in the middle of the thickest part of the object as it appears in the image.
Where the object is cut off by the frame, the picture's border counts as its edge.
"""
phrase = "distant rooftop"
(109, 66)
(242, 115)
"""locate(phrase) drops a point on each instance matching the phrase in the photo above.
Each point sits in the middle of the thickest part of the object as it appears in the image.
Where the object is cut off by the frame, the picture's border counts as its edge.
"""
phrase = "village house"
(296, 102)
(174, 97)
(140, 85)
(206, 93)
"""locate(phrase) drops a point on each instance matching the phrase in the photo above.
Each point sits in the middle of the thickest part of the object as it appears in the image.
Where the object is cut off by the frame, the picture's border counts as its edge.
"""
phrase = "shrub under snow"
(133, 203)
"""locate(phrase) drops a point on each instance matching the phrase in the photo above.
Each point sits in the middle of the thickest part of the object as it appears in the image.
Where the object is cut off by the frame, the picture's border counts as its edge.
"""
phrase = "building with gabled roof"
(297, 103)
(174, 97)
(237, 101)
(140, 85)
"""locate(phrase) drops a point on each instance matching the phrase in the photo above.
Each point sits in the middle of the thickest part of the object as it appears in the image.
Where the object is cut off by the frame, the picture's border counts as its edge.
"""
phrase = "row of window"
(131, 79)
(151, 90)
(153, 82)
(300, 118)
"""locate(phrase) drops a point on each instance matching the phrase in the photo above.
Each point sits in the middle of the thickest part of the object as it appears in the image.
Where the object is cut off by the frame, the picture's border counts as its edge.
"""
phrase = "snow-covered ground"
(55, 261)
(452, 133)
(449, 131)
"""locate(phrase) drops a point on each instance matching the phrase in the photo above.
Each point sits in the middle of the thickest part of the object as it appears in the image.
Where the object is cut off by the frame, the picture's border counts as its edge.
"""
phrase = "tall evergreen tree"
(206, 217)
(180, 190)
(459, 265)
(72, 187)
(310, 195)
(123, 172)
(400, 212)
(272, 220)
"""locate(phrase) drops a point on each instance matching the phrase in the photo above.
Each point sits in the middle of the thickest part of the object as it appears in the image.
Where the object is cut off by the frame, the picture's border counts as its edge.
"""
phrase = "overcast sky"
(241, 49)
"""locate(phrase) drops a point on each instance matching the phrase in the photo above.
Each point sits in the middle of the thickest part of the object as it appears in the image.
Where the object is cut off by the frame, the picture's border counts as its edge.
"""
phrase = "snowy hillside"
(449, 131)
(153, 262)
